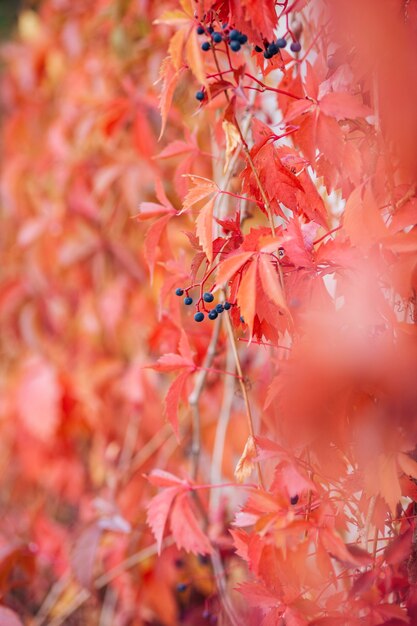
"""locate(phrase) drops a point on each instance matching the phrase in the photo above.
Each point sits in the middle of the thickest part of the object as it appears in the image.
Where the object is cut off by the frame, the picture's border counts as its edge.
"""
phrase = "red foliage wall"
(207, 311)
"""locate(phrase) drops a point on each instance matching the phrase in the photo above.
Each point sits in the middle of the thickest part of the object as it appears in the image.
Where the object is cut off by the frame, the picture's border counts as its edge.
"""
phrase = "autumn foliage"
(208, 314)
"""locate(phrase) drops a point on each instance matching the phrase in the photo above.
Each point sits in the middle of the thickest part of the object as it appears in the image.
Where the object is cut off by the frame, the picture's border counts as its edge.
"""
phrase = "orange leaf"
(230, 266)
(270, 282)
(246, 296)
(200, 189)
(204, 224)
(194, 59)
(246, 463)
(408, 465)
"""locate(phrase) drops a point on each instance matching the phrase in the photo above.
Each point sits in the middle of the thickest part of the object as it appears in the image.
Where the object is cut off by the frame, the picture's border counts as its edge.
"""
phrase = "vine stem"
(245, 395)
(194, 397)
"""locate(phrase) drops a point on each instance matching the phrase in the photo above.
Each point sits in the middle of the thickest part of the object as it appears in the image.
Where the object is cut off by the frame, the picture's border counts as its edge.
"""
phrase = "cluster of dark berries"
(208, 298)
(271, 49)
(234, 38)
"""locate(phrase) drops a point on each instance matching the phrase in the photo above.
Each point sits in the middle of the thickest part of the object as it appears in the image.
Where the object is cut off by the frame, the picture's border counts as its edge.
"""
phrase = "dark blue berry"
(199, 95)
(217, 37)
(227, 306)
(188, 300)
(258, 49)
(199, 316)
(295, 46)
(203, 559)
(234, 34)
(213, 314)
(181, 587)
(210, 29)
(205, 46)
(281, 42)
(219, 308)
(294, 499)
(267, 55)
(272, 48)
(235, 45)
(179, 292)
(242, 39)
(208, 297)
(200, 30)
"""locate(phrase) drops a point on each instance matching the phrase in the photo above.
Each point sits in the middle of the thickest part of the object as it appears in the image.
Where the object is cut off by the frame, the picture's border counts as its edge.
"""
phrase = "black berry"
(235, 45)
(217, 37)
(267, 55)
(199, 95)
(179, 292)
(188, 300)
(213, 314)
(199, 316)
(205, 46)
(219, 308)
(200, 30)
(295, 46)
(281, 42)
(227, 306)
(208, 297)
(242, 38)
(294, 499)
(234, 34)
(258, 49)
(181, 587)
(210, 29)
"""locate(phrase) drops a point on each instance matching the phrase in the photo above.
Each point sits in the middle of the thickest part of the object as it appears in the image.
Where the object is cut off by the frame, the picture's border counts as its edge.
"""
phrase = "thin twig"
(244, 390)
(194, 397)
(221, 429)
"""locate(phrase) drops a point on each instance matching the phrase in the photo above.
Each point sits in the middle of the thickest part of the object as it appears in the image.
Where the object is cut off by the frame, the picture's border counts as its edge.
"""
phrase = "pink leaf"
(186, 529)
(157, 513)
(9, 617)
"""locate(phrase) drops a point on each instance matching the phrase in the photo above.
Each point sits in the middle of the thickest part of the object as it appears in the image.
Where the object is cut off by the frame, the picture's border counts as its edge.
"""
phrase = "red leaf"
(173, 398)
(186, 529)
(399, 549)
(258, 595)
(343, 106)
(152, 239)
(171, 362)
(158, 510)
(148, 210)
(161, 478)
